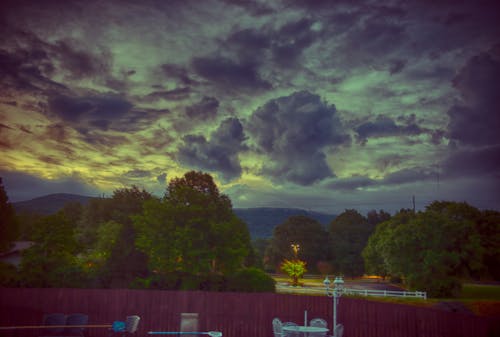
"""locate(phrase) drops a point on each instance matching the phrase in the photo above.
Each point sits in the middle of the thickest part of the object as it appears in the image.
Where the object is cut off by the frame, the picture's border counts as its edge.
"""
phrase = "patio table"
(305, 330)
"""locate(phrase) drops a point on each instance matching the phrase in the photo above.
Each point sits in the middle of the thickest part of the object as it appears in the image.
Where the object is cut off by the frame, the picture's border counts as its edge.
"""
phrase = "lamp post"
(295, 247)
(335, 293)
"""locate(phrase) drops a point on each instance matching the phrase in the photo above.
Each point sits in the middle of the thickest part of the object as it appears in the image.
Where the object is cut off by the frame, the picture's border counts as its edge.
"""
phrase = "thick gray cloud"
(230, 75)
(291, 40)
(178, 73)
(137, 174)
(400, 177)
(162, 178)
(219, 153)
(293, 131)
(474, 162)
(20, 186)
(384, 126)
(177, 94)
(205, 109)
(476, 121)
(101, 112)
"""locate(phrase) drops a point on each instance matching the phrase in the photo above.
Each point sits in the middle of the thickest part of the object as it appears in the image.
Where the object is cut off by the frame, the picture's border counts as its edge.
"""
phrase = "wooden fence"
(234, 314)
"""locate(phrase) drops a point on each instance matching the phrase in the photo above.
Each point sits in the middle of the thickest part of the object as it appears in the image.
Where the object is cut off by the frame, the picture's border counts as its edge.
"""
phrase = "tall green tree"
(8, 223)
(349, 233)
(125, 262)
(431, 250)
(192, 229)
(307, 233)
(488, 227)
(52, 260)
(106, 230)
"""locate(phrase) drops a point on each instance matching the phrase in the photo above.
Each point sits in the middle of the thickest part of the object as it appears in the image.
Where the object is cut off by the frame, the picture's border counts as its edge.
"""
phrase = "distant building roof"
(13, 255)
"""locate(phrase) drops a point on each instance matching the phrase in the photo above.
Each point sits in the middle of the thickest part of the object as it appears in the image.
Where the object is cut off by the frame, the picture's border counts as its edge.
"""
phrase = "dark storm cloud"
(404, 176)
(178, 73)
(230, 75)
(349, 184)
(204, 109)
(5, 144)
(51, 160)
(219, 153)
(255, 8)
(476, 121)
(137, 174)
(104, 112)
(285, 45)
(384, 126)
(3, 126)
(81, 63)
(96, 107)
(473, 162)
(25, 70)
(56, 132)
(293, 131)
(289, 42)
(396, 66)
(409, 175)
(20, 186)
(177, 94)
(162, 178)
(102, 141)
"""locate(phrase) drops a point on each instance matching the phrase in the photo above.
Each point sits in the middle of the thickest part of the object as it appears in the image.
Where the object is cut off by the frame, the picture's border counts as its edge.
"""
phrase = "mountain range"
(260, 220)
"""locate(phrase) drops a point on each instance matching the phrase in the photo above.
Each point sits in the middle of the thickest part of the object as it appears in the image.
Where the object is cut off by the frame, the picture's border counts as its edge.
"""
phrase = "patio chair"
(318, 322)
(277, 327)
(131, 324)
(290, 333)
(75, 319)
(339, 330)
(189, 323)
(128, 327)
(53, 319)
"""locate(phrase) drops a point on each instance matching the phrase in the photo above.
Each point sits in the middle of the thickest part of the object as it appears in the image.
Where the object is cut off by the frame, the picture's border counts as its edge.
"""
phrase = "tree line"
(191, 239)
(433, 250)
(188, 239)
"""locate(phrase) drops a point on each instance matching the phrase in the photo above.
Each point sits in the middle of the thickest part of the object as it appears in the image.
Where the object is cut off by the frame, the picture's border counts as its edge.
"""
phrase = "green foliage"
(52, 261)
(307, 233)
(192, 229)
(9, 276)
(349, 233)
(488, 226)
(106, 230)
(251, 280)
(295, 269)
(431, 250)
(8, 223)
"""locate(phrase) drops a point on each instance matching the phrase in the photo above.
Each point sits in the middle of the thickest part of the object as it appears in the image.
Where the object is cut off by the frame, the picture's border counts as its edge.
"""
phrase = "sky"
(319, 105)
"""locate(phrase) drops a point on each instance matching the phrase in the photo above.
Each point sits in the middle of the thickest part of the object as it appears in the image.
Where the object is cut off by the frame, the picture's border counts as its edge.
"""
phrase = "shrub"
(251, 280)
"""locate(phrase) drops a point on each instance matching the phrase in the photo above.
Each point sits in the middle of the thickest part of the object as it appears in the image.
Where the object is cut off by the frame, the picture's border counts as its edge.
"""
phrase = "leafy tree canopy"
(431, 250)
(8, 223)
(52, 261)
(307, 233)
(192, 229)
(349, 233)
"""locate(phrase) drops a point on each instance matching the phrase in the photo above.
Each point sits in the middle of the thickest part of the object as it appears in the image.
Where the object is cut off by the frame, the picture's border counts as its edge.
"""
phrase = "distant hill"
(261, 220)
(48, 204)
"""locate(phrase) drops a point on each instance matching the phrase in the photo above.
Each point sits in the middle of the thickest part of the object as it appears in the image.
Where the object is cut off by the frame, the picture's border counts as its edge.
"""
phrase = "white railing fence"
(359, 292)
(385, 293)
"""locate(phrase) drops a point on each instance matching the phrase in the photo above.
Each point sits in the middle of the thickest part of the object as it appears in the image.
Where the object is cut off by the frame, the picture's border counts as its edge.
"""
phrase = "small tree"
(8, 224)
(295, 269)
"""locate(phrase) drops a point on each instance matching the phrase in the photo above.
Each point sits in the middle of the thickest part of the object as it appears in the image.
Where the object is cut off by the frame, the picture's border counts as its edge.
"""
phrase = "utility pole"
(413, 200)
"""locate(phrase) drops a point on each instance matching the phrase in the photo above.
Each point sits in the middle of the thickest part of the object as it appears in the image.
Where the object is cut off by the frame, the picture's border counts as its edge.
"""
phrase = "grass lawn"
(480, 292)
(482, 299)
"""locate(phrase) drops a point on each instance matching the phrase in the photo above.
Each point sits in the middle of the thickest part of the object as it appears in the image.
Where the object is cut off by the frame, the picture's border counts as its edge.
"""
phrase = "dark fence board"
(235, 314)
